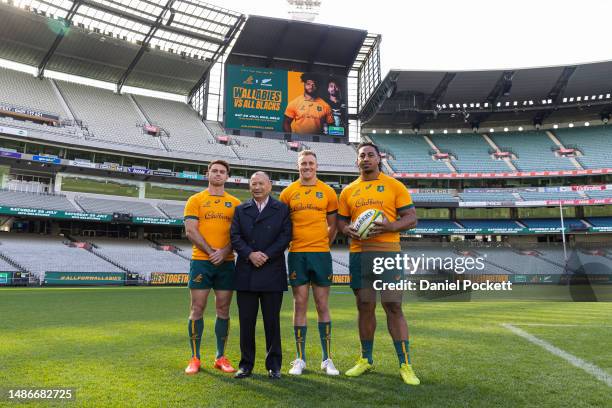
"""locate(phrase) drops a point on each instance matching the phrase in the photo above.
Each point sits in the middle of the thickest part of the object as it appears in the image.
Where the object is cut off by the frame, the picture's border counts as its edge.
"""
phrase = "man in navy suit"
(260, 233)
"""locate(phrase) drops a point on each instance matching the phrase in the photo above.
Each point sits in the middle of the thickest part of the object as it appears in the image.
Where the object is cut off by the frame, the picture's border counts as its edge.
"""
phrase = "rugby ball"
(365, 221)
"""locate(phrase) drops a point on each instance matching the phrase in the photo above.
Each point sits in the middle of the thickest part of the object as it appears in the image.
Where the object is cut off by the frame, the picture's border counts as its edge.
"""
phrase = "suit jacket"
(268, 232)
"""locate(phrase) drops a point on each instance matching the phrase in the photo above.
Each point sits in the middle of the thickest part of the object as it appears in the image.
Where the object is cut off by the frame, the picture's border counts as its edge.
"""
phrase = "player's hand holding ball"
(369, 223)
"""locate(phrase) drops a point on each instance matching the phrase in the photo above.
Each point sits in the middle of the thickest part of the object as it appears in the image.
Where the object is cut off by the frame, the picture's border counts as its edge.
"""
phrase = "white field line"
(570, 358)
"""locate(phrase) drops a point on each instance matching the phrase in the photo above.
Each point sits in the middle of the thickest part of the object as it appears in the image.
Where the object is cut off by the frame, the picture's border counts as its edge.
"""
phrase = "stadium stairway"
(492, 263)
(506, 160)
(448, 163)
(93, 248)
(12, 262)
(561, 146)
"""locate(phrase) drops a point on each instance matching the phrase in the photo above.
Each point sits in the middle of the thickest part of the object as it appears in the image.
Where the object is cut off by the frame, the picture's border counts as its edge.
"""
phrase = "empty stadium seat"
(599, 193)
(109, 206)
(411, 154)
(545, 195)
(492, 196)
(141, 256)
(51, 254)
(186, 131)
(472, 153)
(533, 150)
(490, 224)
(108, 116)
(34, 200)
(593, 142)
(552, 223)
(25, 90)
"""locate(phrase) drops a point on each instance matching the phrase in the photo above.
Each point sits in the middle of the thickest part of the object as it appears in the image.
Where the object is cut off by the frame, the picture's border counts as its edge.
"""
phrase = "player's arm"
(193, 235)
(332, 227)
(343, 218)
(407, 220)
(332, 211)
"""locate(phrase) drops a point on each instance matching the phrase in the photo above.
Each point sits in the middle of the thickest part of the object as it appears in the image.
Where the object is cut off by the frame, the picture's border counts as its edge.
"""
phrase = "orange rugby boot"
(193, 367)
(223, 364)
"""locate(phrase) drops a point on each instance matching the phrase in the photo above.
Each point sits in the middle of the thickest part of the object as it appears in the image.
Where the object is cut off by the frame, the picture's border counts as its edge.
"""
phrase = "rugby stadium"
(111, 111)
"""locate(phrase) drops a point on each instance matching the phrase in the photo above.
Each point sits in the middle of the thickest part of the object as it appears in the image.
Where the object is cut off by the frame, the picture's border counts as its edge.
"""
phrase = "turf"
(128, 347)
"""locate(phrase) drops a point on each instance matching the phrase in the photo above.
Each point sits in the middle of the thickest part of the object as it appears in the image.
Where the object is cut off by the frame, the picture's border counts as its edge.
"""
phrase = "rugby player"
(307, 113)
(313, 205)
(208, 217)
(375, 190)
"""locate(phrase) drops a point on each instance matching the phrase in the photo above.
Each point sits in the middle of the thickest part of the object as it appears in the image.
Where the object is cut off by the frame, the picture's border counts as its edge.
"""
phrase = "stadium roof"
(296, 45)
(472, 98)
(164, 45)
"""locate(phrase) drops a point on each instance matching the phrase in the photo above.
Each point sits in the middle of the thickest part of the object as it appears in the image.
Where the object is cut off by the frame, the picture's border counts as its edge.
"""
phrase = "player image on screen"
(313, 205)
(376, 190)
(208, 217)
(336, 102)
(308, 113)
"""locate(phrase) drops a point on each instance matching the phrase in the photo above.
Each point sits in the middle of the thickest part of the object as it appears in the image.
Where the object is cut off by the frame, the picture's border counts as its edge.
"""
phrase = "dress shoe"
(243, 373)
(274, 374)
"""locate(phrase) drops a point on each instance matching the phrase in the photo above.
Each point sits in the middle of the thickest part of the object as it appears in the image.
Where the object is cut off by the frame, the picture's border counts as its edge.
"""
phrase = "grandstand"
(24, 90)
(470, 152)
(141, 257)
(592, 142)
(51, 254)
(410, 154)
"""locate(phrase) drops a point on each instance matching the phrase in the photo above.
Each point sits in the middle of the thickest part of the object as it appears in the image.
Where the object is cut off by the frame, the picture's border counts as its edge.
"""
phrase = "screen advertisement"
(285, 101)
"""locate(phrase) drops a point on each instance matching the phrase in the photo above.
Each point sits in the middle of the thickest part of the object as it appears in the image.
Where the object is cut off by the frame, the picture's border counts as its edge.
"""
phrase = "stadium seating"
(593, 142)
(509, 261)
(269, 150)
(108, 116)
(472, 153)
(600, 221)
(411, 154)
(599, 193)
(428, 197)
(492, 196)
(543, 195)
(51, 254)
(108, 206)
(552, 223)
(51, 132)
(172, 210)
(141, 256)
(215, 127)
(186, 131)
(436, 224)
(498, 224)
(334, 154)
(5, 266)
(533, 150)
(33, 200)
(24, 90)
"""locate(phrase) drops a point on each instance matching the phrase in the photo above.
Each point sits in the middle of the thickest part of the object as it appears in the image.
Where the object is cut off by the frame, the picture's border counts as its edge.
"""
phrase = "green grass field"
(128, 347)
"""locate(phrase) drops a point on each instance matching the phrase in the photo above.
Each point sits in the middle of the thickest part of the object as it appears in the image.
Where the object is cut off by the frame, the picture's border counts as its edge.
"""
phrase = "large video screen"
(285, 101)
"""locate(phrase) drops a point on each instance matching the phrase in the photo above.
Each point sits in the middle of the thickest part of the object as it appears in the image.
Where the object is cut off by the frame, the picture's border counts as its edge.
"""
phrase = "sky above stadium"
(468, 34)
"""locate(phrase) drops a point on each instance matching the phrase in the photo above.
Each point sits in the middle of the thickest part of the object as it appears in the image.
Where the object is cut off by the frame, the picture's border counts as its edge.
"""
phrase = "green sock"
(366, 349)
(300, 341)
(325, 335)
(221, 332)
(195, 329)
(402, 348)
